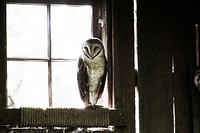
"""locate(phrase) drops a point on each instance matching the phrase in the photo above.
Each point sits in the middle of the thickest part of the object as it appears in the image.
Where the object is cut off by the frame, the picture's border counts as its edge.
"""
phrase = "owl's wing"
(103, 80)
(82, 79)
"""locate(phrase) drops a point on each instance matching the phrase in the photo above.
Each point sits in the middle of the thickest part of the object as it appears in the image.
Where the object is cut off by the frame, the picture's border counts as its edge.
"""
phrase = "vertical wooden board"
(184, 55)
(106, 38)
(109, 47)
(3, 92)
(195, 96)
(172, 35)
(155, 83)
(116, 56)
(124, 83)
(127, 75)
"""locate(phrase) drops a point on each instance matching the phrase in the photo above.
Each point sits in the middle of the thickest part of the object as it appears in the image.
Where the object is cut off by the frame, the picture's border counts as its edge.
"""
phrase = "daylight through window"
(43, 45)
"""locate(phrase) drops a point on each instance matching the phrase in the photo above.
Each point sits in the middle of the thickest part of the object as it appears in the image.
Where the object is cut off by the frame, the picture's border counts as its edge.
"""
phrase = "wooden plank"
(47, 131)
(96, 16)
(123, 60)
(184, 57)
(10, 117)
(155, 82)
(115, 58)
(195, 97)
(3, 63)
(29, 131)
(107, 40)
(164, 34)
(195, 94)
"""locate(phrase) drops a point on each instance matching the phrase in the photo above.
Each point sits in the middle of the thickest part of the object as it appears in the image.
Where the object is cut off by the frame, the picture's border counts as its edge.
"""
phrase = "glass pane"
(65, 88)
(27, 84)
(26, 30)
(71, 26)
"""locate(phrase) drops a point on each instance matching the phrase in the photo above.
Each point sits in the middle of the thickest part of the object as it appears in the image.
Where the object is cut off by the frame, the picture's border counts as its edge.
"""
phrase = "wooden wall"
(166, 39)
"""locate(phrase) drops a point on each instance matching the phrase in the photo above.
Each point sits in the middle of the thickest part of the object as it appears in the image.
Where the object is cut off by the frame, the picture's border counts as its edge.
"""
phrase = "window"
(112, 25)
(43, 45)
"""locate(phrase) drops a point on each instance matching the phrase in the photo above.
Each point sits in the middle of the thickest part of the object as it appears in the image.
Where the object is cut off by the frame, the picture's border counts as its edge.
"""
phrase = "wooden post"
(3, 77)
(123, 60)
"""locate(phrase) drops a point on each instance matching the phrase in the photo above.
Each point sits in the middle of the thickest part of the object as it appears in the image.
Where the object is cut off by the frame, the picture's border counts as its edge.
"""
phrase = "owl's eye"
(86, 49)
(95, 48)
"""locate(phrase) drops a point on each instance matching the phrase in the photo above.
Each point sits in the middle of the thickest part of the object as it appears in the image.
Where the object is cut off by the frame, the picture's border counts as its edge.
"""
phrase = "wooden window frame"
(119, 40)
(96, 31)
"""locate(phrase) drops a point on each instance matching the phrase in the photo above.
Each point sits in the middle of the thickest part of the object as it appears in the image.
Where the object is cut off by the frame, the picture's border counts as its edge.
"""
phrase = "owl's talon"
(93, 106)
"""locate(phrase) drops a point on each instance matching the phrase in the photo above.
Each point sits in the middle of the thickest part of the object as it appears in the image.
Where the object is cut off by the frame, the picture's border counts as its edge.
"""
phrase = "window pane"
(27, 84)
(65, 88)
(71, 26)
(26, 30)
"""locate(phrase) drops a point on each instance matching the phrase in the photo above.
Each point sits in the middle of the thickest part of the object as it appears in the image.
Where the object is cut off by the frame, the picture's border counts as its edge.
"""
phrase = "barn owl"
(92, 70)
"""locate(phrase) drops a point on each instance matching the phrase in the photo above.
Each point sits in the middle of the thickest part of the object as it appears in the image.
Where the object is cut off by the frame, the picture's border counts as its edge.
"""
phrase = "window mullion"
(49, 55)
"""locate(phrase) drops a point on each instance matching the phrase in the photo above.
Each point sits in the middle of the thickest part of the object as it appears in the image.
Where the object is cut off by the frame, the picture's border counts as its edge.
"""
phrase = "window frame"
(96, 31)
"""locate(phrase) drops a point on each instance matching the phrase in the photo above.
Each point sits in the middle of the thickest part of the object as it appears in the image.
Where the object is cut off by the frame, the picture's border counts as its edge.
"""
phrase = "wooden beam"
(47, 131)
(123, 61)
(3, 63)
(10, 117)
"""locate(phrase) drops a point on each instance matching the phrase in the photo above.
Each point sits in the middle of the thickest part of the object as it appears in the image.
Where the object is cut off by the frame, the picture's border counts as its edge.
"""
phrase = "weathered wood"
(166, 51)
(184, 57)
(123, 60)
(3, 129)
(10, 117)
(107, 40)
(31, 131)
(155, 83)
(46, 131)
(195, 97)
(96, 16)
(195, 94)
(3, 63)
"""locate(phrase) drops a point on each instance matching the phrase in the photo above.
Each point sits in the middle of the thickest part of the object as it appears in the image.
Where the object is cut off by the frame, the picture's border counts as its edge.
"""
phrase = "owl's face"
(93, 48)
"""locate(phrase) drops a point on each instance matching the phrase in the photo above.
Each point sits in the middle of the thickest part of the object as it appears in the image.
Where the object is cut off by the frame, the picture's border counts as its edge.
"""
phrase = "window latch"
(101, 22)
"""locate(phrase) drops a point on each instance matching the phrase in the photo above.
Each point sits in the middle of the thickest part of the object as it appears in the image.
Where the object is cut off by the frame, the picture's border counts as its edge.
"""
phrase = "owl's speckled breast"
(95, 72)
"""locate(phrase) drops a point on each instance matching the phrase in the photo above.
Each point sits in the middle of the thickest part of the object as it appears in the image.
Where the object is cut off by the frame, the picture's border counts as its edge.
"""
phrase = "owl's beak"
(91, 52)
